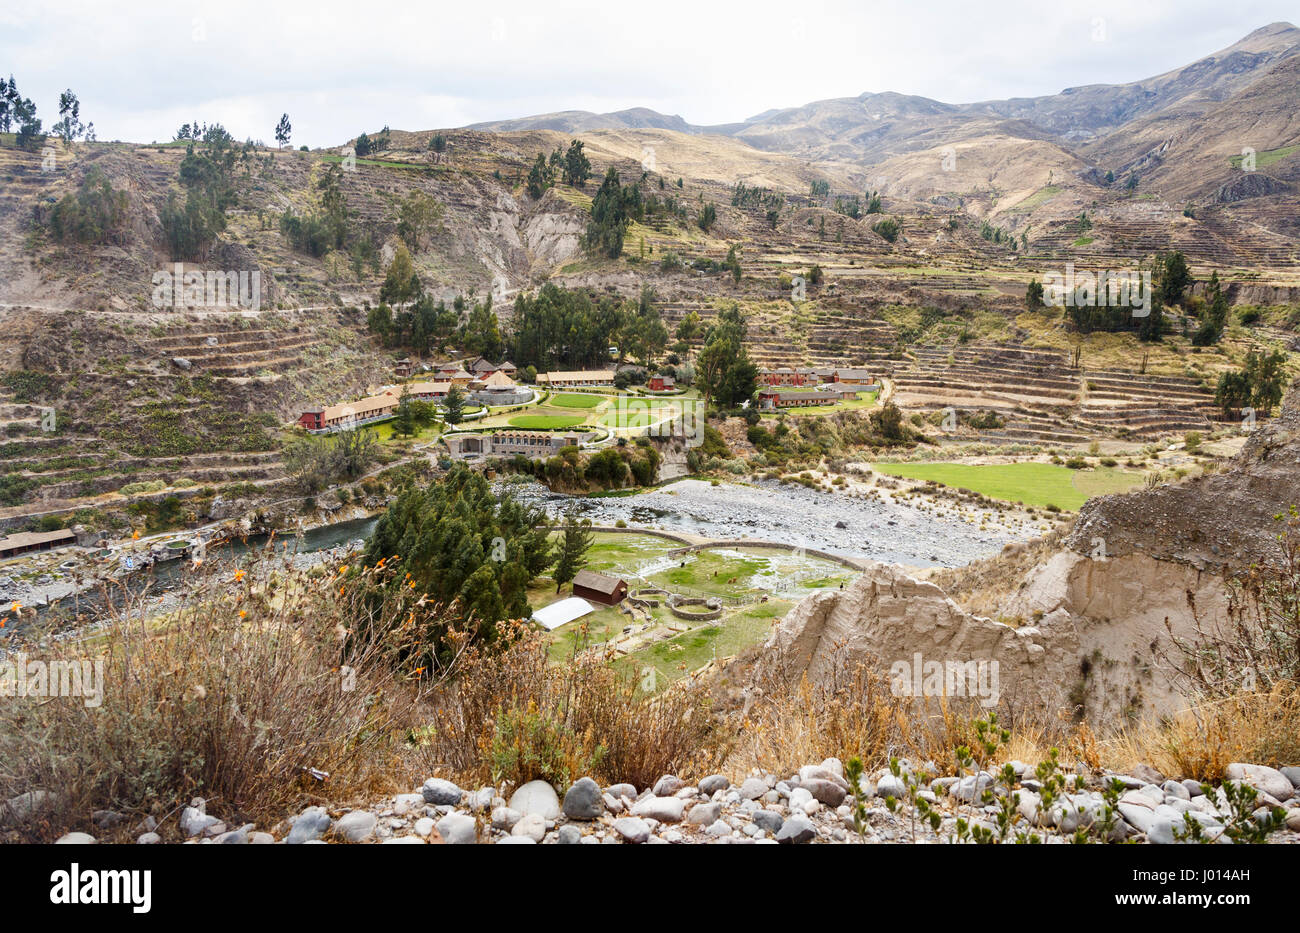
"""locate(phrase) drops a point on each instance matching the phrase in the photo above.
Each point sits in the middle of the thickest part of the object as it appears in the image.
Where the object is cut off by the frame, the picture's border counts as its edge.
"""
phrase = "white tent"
(562, 612)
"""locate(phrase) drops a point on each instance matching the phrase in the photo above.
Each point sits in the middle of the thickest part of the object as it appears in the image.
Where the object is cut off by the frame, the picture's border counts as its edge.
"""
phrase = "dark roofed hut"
(599, 588)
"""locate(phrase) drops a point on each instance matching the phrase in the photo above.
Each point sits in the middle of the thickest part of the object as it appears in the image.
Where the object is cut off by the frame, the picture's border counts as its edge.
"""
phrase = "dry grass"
(1199, 742)
(255, 677)
(511, 716)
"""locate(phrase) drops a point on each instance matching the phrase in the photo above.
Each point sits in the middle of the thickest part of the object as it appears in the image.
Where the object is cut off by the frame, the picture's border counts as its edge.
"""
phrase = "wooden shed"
(599, 587)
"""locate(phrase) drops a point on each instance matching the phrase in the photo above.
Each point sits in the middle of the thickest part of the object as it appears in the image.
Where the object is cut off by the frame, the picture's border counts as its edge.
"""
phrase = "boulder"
(536, 797)
(583, 800)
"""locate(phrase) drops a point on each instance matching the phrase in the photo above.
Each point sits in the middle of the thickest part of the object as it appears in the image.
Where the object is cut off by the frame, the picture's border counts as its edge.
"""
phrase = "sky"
(141, 69)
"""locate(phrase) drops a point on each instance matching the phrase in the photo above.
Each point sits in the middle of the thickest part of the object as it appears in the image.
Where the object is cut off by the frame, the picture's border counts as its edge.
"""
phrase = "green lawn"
(1266, 158)
(546, 422)
(1034, 484)
(575, 400)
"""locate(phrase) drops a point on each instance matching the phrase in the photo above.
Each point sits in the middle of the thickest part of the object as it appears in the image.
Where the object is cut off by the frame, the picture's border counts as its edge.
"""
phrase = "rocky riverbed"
(764, 510)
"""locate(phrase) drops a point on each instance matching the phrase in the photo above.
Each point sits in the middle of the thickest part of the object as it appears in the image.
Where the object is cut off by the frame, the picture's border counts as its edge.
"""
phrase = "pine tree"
(453, 406)
(571, 551)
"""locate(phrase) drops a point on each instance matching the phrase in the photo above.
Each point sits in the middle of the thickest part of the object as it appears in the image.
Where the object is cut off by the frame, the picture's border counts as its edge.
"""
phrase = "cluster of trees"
(467, 547)
(317, 463)
(613, 208)
(92, 214)
(614, 467)
(1170, 281)
(1213, 314)
(207, 174)
(723, 369)
(368, 145)
(1259, 384)
(744, 196)
(572, 166)
(559, 328)
(18, 114)
(325, 227)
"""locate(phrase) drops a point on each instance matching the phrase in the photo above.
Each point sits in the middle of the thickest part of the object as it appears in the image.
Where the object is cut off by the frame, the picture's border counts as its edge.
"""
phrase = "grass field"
(1034, 484)
(575, 400)
(546, 422)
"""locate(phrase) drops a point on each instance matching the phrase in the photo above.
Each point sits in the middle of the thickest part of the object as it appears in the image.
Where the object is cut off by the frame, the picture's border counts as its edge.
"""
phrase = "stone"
(1163, 829)
(583, 800)
(823, 791)
(1139, 817)
(1176, 789)
(531, 825)
(753, 788)
(714, 783)
(236, 837)
(718, 829)
(668, 785)
(702, 814)
(796, 830)
(424, 826)
(504, 818)
(260, 839)
(357, 826)
(440, 792)
(194, 821)
(632, 829)
(663, 809)
(1148, 774)
(1193, 788)
(834, 766)
(75, 839)
(1263, 778)
(569, 836)
(310, 825)
(621, 790)
(890, 786)
(517, 840)
(149, 839)
(458, 829)
(769, 821)
(613, 804)
(1293, 820)
(536, 797)
(1292, 774)
(971, 788)
(403, 841)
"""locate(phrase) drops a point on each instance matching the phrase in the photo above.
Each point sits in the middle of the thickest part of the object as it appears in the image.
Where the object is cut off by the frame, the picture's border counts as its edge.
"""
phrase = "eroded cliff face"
(1088, 630)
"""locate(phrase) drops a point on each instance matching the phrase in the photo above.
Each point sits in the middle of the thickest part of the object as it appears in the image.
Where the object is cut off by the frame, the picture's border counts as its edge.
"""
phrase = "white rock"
(536, 797)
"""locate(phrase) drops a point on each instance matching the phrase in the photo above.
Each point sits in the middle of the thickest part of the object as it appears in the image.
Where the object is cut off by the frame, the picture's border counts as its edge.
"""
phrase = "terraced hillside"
(148, 406)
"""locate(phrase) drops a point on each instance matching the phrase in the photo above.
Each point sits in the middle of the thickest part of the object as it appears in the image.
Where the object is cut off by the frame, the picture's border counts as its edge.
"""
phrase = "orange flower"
(15, 606)
(243, 613)
(239, 575)
(135, 536)
(341, 590)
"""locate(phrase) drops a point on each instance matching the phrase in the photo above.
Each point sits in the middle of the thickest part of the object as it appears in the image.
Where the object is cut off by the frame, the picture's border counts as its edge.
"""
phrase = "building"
(857, 377)
(531, 444)
(774, 398)
(482, 367)
(25, 542)
(599, 588)
(661, 383)
(402, 368)
(424, 391)
(786, 376)
(587, 378)
(350, 414)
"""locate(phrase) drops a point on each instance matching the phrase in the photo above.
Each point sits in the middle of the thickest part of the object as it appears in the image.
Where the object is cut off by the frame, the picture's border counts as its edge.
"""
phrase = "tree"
(438, 143)
(92, 214)
(460, 543)
(889, 228)
(283, 131)
(404, 417)
(577, 167)
(1213, 316)
(609, 217)
(708, 217)
(1172, 278)
(571, 551)
(69, 126)
(418, 215)
(1034, 295)
(401, 284)
(888, 422)
(539, 178)
(453, 406)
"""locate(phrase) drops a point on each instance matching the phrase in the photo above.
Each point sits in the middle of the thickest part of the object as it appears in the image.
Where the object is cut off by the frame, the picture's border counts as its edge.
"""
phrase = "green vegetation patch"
(575, 400)
(1033, 484)
(546, 422)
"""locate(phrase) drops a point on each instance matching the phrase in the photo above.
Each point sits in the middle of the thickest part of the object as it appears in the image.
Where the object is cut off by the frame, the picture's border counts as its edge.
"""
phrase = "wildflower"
(243, 613)
(239, 575)
(15, 606)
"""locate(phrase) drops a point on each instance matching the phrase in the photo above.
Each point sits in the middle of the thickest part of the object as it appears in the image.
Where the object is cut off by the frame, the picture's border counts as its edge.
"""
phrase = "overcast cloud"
(338, 68)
